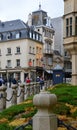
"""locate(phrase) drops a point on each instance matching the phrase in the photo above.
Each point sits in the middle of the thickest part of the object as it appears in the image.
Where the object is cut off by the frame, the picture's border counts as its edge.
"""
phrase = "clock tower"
(70, 34)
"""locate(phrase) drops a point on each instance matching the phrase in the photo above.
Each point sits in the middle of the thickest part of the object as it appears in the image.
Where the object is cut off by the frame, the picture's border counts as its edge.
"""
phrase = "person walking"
(41, 83)
(14, 81)
(28, 80)
(1, 81)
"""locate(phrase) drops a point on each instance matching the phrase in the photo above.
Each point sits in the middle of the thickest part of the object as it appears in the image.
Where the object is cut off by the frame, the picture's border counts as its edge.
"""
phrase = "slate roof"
(12, 25)
(39, 11)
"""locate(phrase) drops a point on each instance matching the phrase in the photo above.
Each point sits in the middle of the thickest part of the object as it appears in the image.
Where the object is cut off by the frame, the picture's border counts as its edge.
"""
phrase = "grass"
(65, 93)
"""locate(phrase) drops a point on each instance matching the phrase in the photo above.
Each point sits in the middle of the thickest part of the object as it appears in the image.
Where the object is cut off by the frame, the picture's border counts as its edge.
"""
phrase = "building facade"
(42, 23)
(28, 48)
(57, 24)
(18, 45)
(70, 34)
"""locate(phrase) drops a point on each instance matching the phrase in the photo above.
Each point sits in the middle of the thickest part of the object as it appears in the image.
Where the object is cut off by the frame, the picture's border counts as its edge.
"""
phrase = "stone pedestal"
(14, 92)
(28, 90)
(22, 90)
(44, 119)
(3, 97)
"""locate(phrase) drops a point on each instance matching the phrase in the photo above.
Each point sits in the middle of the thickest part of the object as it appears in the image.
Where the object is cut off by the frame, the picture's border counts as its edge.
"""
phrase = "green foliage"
(5, 126)
(65, 93)
(62, 109)
(30, 114)
(74, 114)
(10, 112)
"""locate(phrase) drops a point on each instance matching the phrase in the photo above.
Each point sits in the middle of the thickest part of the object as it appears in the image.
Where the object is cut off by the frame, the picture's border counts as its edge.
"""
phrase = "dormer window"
(8, 36)
(1, 37)
(18, 35)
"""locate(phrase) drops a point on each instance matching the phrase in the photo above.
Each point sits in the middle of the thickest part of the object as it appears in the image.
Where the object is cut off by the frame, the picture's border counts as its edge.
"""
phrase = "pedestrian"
(38, 79)
(41, 83)
(28, 80)
(14, 81)
(1, 81)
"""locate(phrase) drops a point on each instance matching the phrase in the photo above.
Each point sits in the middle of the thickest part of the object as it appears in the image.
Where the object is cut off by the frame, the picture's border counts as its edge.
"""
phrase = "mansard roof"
(39, 11)
(12, 25)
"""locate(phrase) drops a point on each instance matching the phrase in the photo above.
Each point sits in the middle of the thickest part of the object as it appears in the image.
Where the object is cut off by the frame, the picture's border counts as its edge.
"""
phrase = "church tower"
(70, 34)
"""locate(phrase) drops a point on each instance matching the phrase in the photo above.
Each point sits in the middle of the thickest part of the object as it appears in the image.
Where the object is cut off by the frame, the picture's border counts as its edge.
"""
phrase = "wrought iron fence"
(60, 123)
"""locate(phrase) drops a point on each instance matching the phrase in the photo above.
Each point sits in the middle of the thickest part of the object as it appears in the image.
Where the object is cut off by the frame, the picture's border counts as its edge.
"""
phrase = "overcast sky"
(19, 9)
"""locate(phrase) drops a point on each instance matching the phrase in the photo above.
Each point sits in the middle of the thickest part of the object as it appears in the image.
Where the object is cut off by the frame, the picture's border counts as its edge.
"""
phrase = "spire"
(39, 6)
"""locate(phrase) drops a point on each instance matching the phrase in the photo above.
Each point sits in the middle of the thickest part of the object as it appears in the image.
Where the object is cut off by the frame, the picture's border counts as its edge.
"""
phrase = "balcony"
(48, 51)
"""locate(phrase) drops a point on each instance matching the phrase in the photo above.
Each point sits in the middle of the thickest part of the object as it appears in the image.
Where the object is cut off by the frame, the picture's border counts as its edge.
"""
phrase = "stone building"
(28, 47)
(70, 34)
(42, 23)
(18, 46)
(57, 24)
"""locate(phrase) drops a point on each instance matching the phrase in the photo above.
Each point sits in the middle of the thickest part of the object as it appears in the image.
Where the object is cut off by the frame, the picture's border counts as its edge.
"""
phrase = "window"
(30, 49)
(65, 53)
(76, 25)
(18, 49)
(33, 50)
(36, 36)
(8, 36)
(69, 26)
(18, 62)
(30, 62)
(8, 50)
(33, 36)
(44, 60)
(18, 35)
(33, 62)
(8, 63)
(37, 62)
(37, 49)
(40, 38)
(30, 35)
(1, 37)
(49, 61)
